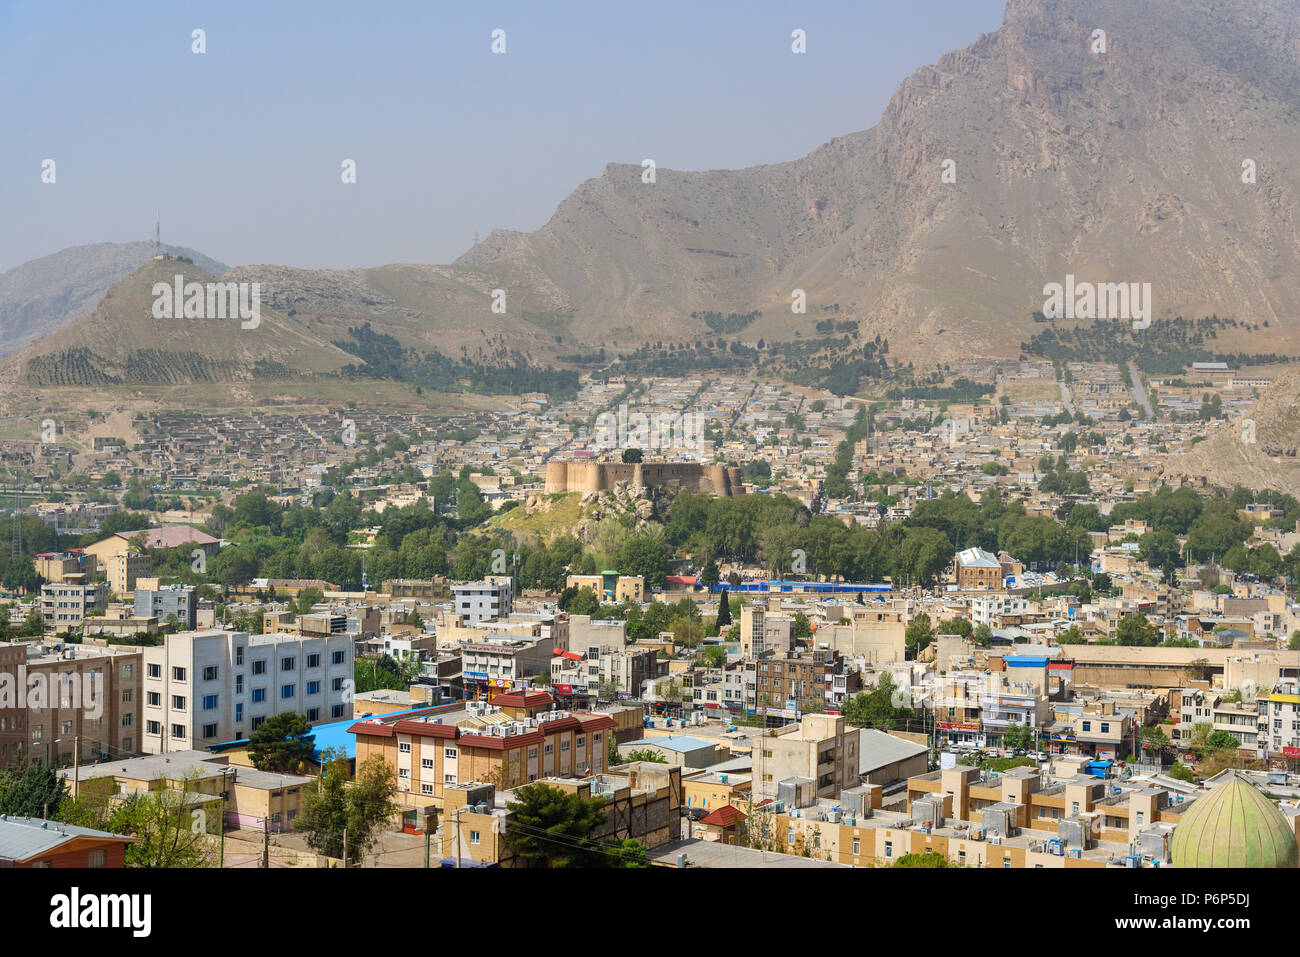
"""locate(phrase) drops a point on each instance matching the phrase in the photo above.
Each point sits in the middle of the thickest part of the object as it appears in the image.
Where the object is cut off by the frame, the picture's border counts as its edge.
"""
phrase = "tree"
(631, 455)
(724, 610)
(332, 803)
(645, 754)
(879, 708)
(919, 634)
(552, 828)
(982, 635)
(1222, 739)
(31, 791)
(170, 826)
(1294, 643)
(629, 852)
(924, 859)
(282, 744)
(1020, 737)
(612, 757)
(1137, 630)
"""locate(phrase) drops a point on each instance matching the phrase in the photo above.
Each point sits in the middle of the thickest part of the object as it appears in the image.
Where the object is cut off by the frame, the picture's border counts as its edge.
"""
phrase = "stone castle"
(579, 476)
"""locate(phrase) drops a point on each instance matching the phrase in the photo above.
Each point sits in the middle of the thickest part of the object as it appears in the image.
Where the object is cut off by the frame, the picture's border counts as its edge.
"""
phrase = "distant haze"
(239, 149)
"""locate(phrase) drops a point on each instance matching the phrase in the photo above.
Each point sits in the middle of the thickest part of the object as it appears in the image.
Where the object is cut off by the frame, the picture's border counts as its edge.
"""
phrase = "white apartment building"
(205, 687)
(479, 601)
(985, 608)
(64, 606)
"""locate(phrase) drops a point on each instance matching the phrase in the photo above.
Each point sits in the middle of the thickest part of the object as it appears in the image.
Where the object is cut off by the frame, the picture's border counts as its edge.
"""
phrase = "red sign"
(563, 689)
(1291, 752)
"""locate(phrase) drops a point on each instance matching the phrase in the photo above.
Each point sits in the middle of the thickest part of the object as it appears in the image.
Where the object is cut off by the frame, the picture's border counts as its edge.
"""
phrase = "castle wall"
(589, 476)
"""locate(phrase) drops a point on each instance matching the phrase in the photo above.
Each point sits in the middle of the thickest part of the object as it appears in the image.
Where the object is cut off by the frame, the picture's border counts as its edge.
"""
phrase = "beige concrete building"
(57, 701)
(818, 748)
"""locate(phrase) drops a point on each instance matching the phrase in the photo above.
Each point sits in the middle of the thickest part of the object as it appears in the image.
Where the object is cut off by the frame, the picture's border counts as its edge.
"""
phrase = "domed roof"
(1234, 825)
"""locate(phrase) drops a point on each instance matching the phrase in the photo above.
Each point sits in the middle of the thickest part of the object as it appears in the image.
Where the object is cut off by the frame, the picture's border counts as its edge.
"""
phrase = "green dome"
(1234, 825)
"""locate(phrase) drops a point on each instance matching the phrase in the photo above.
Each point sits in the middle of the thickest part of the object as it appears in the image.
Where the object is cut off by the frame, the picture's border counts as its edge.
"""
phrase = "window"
(178, 731)
(97, 858)
(178, 702)
(532, 752)
(313, 687)
(287, 691)
(126, 720)
(129, 671)
(153, 699)
(857, 846)
(288, 664)
(209, 702)
(474, 837)
(257, 723)
(1105, 727)
(564, 745)
(1074, 807)
(153, 727)
(128, 696)
(239, 684)
(404, 747)
(239, 711)
(889, 849)
(313, 714)
(449, 779)
(239, 655)
(426, 788)
(259, 666)
(403, 772)
(210, 673)
(426, 763)
(451, 753)
(337, 684)
(1140, 817)
(259, 694)
(155, 671)
(1006, 863)
(209, 731)
(337, 658)
(178, 674)
(789, 835)
(336, 711)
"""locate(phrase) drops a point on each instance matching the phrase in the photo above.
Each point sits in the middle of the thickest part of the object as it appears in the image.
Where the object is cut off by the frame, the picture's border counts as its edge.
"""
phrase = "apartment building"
(154, 600)
(58, 702)
(764, 631)
(1278, 722)
(643, 802)
(252, 796)
(583, 634)
(817, 748)
(620, 673)
(434, 751)
(55, 567)
(207, 687)
(610, 586)
(125, 569)
(502, 661)
(64, 606)
(482, 600)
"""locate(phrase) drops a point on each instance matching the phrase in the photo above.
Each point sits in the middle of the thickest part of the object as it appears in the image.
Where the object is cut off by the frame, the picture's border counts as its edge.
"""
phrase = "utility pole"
(345, 845)
(266, 838)
(222, 823)
(76, 765)
(457, 819)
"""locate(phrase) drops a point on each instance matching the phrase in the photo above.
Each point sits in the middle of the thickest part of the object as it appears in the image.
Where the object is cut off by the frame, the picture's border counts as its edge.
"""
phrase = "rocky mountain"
(1117, 166)
(1154, 142)
(1259, 450)
(44, 295)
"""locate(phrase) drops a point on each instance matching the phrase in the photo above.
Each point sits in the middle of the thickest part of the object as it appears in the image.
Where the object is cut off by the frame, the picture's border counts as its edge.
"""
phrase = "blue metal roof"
(333, 735)
(1024, 661)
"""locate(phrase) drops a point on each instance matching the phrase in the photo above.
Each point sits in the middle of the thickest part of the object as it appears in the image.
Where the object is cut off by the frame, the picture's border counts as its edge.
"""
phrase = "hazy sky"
(240, 149)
